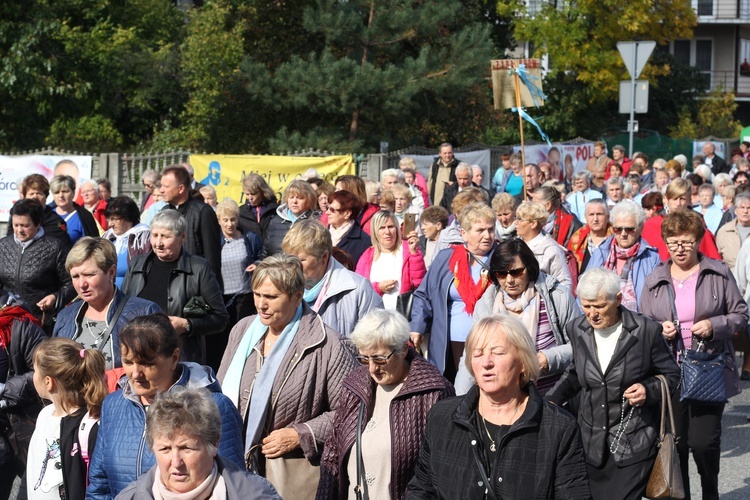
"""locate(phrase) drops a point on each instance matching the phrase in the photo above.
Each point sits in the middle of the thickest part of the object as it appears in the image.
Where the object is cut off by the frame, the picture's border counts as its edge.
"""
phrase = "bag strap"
(108, 331)
(666, 407)
(360, 479)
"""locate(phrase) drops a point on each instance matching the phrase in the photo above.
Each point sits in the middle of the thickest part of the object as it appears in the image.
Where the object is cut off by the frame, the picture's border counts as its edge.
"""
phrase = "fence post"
(113, 172)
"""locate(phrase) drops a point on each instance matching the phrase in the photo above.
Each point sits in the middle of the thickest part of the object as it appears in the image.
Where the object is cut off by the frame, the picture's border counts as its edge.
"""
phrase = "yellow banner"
(225, 172)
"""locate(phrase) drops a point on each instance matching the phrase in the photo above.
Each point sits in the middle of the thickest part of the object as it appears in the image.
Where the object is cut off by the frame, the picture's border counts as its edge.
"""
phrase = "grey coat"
(307, 386)
(717, 299)
(240, 484)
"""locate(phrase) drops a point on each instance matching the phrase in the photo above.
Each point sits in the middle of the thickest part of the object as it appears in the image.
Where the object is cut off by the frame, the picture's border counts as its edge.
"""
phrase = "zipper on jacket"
(141, 446)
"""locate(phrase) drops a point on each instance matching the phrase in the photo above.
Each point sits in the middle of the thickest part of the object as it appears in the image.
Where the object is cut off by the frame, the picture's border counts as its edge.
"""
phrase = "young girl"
(73, 379)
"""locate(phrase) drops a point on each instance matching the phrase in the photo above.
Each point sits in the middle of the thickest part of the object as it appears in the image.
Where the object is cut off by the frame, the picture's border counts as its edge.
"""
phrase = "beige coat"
(306, 390)
(729, 242)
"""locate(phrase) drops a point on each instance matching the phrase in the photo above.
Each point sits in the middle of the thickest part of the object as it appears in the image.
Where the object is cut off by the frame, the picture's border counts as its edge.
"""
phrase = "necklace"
(493, 445)
(681, 282)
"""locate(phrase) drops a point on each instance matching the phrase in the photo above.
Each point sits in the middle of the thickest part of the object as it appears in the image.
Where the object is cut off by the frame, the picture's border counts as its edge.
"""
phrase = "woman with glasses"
(626, 253)
(697, 301)
(283, 369)
(394, 389)
(521, 290)
(346, 233)
(130, 236)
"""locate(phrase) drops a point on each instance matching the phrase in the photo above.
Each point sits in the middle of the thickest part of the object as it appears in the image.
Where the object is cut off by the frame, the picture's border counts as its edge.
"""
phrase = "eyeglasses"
(677, 245)
(628, 230)
(334, 210)
(516, 273)
(114, 218)
(378, 360)
(147, 185)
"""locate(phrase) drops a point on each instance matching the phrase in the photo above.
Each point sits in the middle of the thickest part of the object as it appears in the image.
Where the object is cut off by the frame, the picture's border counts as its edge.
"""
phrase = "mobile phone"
(410, 224)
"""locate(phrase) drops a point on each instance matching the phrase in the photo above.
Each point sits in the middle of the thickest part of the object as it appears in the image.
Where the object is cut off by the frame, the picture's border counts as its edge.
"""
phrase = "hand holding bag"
(666, 479)
(702, 377)
(404, 303)
(196, 307)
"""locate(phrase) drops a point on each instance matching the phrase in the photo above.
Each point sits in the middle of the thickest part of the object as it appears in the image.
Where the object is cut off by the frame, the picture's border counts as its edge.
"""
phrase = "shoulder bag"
(666, 479)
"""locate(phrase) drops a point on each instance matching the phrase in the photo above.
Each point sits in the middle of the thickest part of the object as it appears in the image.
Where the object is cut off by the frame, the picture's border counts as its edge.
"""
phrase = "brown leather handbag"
(666, 478)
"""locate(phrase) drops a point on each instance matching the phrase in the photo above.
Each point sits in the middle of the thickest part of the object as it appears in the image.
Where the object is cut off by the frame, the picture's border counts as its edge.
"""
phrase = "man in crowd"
(717, 163)
(583, 194)
(442, 172)
(597, 164)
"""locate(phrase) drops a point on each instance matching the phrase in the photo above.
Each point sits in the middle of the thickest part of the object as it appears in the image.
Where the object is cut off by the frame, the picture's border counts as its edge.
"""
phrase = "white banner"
(481, 158)
(718, 149)
(561, 156)
(14, 168)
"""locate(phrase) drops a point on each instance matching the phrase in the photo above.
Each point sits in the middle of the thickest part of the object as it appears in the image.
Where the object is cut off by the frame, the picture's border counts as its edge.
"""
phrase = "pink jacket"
(421, 183)
(412, 271)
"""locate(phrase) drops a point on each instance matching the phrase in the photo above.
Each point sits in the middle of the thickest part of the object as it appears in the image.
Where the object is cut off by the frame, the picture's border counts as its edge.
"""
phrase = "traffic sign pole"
(632, 103)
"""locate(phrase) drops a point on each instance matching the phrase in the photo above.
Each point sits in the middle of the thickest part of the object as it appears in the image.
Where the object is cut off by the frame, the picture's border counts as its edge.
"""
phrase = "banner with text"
(563, 157)
(14, 168)
(225, 172)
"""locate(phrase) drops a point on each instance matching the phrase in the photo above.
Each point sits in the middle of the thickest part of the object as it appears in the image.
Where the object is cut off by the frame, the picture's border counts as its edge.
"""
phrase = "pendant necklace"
(493, 446)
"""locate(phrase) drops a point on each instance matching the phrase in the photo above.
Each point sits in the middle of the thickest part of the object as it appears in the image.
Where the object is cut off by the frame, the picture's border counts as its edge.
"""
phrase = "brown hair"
(674, 165)
(78, 373)
(35, 181)
(353, 184)
(683, 222)
(180, 174)
(466, 197)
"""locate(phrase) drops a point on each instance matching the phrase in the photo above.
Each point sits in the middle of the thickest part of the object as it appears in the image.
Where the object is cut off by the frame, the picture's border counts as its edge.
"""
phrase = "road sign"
(635, 55)
(626, 95)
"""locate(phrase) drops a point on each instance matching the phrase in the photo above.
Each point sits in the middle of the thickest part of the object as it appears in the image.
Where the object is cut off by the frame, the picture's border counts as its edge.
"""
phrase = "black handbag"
(196, 307)
(701, 373)
(404, 303)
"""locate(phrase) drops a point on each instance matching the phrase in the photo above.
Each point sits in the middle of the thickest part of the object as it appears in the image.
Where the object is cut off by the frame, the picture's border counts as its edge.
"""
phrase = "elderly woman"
(32, 264)
(148, 180)
(173, 278)
(617, 355)
(299, 203)
(457, 279)
(530, 220)
(78, 221)
(130, 236)
(505, 206)
(521, 290)
(283, 369)
(697, 301)
(560, 224)
(500, 440)
(384, 405)
(183, 431)
(36, 187)
(95, 320)
(711, 212)
(346, 233)
(341, 297)
(151, 359)
(356, 185)
(626, 253)
(93, 202)
(676, 197)
(403, 203)
(392, 265)
(259, 207)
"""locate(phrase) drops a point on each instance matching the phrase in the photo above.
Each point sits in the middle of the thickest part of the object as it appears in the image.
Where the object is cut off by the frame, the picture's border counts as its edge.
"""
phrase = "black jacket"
(355, 242)
(640, 355)
(192, 277)
(434, 173)
(719, 165)
(36, 272)
(451, 192)
(203, 234)
(75, 470)
(249, 223)
(53, 226)
(541, 456)
(277, 229)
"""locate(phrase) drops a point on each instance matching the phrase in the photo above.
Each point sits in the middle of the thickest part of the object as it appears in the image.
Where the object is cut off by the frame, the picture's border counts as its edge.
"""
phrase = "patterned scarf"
(469, 291)
(579, 242)
(7, 316)
(627, 254)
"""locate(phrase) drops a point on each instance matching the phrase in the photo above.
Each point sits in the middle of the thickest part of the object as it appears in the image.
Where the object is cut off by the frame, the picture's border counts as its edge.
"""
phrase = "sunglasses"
(378, 360)
(516, 273)
(627, 230)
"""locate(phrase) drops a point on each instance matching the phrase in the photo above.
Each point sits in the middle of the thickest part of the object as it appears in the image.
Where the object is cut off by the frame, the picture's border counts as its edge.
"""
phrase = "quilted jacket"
(541, 456)
(69, 320)
(278, 226)
(308, 384)
(192, 277)
(122, 454)
(424, 386)
(36, 272)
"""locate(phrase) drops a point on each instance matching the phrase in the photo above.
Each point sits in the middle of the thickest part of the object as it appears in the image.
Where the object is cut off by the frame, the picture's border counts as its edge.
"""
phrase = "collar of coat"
(183, 263)
(466, 413)
(662, 275)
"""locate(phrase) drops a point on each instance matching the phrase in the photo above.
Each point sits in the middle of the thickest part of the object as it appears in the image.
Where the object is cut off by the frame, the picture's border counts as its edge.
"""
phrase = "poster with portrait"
(14, 168)
(565, 159)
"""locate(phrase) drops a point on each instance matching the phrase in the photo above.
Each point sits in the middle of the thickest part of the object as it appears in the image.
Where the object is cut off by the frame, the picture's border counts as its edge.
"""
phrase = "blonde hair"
(303, 189)
(403, 190)
(284, 271)
(227, 206)
(378, 221)
(101, 250)
(504, 201)
(516, 335)
(307, 236)
(407, 162)
(466, 197)
(531, 210)
(678, 188)
(78, 373)
(475, 212)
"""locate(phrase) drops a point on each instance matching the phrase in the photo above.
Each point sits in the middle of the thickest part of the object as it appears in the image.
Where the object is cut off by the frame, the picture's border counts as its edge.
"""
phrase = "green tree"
(715, 116)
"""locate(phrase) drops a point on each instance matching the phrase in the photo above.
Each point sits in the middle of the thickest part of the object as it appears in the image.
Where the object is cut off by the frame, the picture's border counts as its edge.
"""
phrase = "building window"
(705, 7)
(682, 51)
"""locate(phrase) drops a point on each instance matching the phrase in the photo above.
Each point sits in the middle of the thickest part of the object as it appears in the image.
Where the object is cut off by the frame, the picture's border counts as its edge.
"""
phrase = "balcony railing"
(726, 80)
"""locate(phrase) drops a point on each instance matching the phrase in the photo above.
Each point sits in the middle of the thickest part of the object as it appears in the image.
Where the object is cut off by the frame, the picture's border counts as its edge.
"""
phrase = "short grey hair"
(171, 220)
(597, 201)
(612, 181)
(150, 174)
(190, 411)
(682, 159)
(707, 187)
(744, 196)
(517, 336)
(620, 148)
(597, 281)
(659, 163)
(393, 172)
(704, 171)
(464, 167)
(549, 194)
(582, 174)
(381, 327)
(743, 161)
(90, 182)
(284, 271)
(628, 208)
(722, 179)
(60, 181)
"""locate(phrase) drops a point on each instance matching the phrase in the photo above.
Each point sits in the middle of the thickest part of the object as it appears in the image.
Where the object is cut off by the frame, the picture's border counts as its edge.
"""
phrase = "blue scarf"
(261, 395)
(311, 295)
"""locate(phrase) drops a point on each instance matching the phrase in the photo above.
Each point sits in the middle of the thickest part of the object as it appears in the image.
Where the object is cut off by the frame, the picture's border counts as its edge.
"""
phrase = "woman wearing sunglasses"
(627, 253)
(395, 389)
(542, 304)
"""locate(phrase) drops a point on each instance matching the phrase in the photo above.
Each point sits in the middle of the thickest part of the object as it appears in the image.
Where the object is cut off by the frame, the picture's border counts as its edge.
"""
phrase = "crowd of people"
(419, 337)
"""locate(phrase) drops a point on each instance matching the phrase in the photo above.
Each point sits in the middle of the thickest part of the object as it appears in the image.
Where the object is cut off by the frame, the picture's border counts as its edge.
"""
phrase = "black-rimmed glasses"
(378, 360)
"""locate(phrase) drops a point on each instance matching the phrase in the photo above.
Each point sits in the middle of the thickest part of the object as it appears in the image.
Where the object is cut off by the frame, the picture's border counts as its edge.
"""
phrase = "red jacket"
(652, 234)
(412, 271)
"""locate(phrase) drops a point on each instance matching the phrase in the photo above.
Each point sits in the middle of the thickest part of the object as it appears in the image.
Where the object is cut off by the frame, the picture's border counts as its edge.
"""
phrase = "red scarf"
(469, 291)
(7, 316)
(562, 225)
